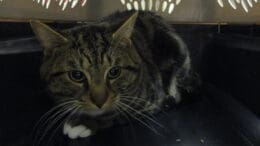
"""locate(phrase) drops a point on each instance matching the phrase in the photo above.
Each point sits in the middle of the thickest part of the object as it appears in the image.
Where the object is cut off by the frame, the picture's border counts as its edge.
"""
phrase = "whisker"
(142, 114)
(45, 118)
(122, 112)
(140, 105)
(128, 98)
(58, 117)
(135, 98)
(142, 122)
(50, 111)
(40, 127)
(127, 118)
(66, 100)
(73, 111)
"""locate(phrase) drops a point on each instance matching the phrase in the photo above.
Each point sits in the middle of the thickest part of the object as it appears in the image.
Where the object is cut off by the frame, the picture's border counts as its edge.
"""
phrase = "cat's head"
(94, 67)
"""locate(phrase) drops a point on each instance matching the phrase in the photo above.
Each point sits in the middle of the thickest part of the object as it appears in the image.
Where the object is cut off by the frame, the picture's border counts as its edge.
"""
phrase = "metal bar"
(22, 45)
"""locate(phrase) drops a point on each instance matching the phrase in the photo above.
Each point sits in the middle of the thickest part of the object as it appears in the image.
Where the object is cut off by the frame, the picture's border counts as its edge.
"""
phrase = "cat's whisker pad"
(74, 132)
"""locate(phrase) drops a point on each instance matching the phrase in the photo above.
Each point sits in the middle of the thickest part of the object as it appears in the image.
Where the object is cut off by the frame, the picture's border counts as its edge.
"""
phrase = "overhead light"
(151, 5)
(62, 3)
(166, 6)
(233, 3)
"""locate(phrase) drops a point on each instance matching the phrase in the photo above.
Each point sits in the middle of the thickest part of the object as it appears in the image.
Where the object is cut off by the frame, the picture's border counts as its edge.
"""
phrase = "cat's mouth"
(90, 109)
(95, 112)
(98, 112)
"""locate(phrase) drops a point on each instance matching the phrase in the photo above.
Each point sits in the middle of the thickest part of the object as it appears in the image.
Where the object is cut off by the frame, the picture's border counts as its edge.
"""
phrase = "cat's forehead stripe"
(87, 57)
(93, 46)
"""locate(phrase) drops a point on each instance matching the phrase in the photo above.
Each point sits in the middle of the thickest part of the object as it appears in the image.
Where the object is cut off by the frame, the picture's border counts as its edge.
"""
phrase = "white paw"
(75, 132)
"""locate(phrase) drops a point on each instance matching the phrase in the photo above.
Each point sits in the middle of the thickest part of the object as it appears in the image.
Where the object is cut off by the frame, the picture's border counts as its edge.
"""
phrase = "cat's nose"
(99, 98)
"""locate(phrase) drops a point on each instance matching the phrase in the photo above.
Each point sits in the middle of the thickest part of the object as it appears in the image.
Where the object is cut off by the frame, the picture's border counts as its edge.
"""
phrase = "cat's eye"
(76, 76)
(114, 72)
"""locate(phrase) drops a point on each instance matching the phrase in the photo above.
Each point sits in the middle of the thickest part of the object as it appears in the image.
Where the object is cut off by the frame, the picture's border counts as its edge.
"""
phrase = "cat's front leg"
(77, 131)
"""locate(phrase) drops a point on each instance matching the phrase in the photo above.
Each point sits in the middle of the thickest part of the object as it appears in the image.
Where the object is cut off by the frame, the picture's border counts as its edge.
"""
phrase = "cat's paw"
(74, 132)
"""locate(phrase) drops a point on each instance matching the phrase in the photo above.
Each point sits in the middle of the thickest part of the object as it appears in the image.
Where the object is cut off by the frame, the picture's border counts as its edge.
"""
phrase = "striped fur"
(154, 62)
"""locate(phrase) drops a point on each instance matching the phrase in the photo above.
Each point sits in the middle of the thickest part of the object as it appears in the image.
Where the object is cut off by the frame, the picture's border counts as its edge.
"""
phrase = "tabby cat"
(128, 63)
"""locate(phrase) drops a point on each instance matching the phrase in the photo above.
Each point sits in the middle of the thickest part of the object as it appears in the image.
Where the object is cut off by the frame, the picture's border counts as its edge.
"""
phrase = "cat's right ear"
(48, 38)
(125, 31)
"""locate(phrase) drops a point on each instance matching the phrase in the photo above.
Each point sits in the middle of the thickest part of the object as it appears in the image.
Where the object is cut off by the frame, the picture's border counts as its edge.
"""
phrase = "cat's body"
(165, 51)
(127, 62)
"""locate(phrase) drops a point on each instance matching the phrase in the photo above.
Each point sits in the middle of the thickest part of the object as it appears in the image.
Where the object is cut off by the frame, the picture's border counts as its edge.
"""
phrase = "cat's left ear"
(126, 30)
(123, 36)
(48, 37)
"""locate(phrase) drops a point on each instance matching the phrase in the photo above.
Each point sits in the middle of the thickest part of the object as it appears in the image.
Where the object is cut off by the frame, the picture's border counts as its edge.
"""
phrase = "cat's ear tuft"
(125, 31)
(48, 38)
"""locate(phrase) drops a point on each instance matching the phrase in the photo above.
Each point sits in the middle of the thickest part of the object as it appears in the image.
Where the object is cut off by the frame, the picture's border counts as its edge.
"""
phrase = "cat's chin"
(96, 112)
(99, 112)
